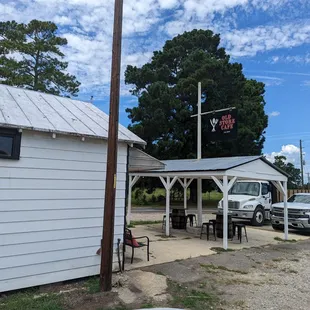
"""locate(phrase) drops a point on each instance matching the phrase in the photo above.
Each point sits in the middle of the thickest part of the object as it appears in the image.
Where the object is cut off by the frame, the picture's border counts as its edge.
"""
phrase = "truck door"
(266, 196)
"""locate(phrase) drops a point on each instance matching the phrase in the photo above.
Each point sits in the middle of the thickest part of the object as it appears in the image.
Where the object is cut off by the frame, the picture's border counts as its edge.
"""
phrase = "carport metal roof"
(223, 171)
(251, 167)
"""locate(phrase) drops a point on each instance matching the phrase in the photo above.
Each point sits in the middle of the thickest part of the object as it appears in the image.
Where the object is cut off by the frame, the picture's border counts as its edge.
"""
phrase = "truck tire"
(278, 227)
(258, 216)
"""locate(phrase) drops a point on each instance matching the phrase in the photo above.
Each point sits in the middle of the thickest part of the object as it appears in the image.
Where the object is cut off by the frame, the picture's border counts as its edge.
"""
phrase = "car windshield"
(300, 199)
(245, 188)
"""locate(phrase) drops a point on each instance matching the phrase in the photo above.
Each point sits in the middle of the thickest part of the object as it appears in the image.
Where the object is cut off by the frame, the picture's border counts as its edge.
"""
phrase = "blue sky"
(270, 38)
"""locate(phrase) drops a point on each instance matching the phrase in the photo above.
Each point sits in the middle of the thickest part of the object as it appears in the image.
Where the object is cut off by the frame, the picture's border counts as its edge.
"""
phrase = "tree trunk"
(36, 75)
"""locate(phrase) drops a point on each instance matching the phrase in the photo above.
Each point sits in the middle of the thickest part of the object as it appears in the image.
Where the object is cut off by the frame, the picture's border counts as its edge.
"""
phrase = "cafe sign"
(222, 125)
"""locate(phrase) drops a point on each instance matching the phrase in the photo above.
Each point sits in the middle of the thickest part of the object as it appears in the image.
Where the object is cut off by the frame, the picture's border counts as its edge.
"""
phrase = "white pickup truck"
(298, 208)
(249, 200)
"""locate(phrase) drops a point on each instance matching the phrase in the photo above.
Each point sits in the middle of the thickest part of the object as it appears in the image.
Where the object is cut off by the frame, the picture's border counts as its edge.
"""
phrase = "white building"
(52, 178)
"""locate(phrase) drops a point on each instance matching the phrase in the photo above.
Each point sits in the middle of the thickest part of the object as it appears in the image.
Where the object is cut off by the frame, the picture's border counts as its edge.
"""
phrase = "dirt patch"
(143, 286)
(82, 300)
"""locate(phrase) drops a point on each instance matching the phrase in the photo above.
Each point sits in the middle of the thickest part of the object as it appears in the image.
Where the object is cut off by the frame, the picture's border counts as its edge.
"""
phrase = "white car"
(298, 213)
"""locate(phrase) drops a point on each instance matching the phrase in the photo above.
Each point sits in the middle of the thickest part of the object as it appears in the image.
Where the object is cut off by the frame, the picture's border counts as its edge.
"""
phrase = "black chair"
(213, 222)
(239, 227)
(164, 221)
(207, 225)
(191, 218)
(132, 242)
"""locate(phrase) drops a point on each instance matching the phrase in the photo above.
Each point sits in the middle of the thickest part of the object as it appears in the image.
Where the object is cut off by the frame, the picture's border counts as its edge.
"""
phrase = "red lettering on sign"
(227, 122)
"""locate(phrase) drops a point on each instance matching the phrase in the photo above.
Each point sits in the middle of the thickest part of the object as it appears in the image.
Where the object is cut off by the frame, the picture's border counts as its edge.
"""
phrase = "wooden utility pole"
(110, 187)
(301, 165)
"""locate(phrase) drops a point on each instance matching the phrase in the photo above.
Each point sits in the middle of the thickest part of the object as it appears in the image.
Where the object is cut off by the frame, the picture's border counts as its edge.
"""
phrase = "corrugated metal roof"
(212, 164)
(207, 164)
(33, 110)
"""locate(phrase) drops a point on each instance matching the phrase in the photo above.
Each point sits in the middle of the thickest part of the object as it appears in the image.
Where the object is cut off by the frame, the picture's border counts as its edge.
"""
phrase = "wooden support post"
(110, 188)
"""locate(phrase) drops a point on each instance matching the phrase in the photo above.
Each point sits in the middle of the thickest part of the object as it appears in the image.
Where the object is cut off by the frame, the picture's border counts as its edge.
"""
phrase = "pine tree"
(30, 57)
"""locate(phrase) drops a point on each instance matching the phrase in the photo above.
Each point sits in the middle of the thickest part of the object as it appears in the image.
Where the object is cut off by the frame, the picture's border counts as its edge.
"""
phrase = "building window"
(9, 143)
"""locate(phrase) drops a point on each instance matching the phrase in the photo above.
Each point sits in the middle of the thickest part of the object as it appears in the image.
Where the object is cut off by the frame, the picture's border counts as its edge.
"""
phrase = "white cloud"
(279, 72)
(249, 42)
(306, 83)
(168, 4)
(268, 80)
(87, 24)
(299, 59)
(290, 151)
(274, 114)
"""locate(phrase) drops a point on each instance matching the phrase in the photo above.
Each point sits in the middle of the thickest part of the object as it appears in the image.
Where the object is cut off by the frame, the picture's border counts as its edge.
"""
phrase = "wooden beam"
(173, 182)
(218, 183)
(231, 183)
(182, 183)
(164, 182)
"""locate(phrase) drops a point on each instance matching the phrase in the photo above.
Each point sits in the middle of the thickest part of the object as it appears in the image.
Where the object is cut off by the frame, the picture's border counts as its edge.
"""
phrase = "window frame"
(16, 135)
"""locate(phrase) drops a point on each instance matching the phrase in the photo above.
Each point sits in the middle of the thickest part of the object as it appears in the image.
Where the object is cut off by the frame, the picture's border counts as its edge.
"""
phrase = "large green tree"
(166, 88)
(30, 57)
(294, 173)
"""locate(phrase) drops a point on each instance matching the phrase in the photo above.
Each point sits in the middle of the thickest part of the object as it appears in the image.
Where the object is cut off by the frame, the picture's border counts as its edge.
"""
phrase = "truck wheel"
(258, 217)
(278, 227)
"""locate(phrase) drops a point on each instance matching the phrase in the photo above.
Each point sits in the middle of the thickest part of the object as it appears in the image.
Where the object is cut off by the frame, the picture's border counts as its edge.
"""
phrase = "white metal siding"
(51, 209)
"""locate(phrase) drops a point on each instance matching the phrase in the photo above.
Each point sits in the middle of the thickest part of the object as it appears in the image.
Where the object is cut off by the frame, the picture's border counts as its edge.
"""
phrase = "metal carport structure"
(223, 171)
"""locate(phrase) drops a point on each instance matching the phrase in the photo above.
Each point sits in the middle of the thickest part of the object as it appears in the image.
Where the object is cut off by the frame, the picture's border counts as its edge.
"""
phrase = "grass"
(223, 268)
(137, 223)
(283, 240)
(147, 306)
(279, 259)
(209, 199)
(240, 303)
(289, 271)
(294, 260)
(183, 297)
(93, 285)
(235, 281)
(114, 308)
(27, 301)
(220, 250)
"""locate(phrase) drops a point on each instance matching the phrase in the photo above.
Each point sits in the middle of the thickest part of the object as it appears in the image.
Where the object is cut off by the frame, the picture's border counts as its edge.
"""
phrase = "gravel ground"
(150, 216)
(271, 277)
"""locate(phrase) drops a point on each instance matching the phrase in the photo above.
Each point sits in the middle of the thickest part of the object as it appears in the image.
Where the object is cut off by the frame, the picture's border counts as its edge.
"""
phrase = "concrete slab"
(183, 245)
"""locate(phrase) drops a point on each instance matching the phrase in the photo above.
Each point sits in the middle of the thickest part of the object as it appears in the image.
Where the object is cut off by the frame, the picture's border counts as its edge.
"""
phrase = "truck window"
(300, 199)
(265, 189)
(245, 188)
